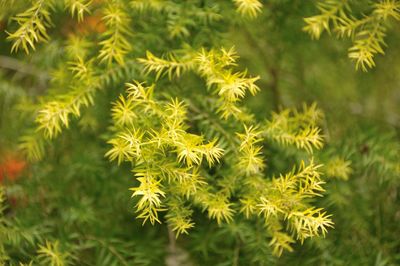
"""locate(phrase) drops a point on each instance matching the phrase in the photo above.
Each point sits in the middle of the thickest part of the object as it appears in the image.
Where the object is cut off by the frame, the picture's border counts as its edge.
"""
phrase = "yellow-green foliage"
(33, 24)
(171, 164)
(115, 44)
(78, 8)
(367, 30)
(248, 8)
(55, 114)
(168, 163)
(339, 168)
(159, 149)
(176, 168)
(50, 254)
(296, 128)
(215, 66)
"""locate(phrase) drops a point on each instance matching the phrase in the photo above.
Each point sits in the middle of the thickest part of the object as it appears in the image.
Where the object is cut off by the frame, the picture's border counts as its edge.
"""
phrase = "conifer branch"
(280, 242)
(215, 67)
(250, 8)
(179, 217)
(33, 24)
(309, 223)
(293, 128)
(55, 114)
(32, 145)
(50, 254)
(170, 65)
(78, 7)
(367, 33)
(339, 168)
(115, 44)
(250, 161)
(143, 5)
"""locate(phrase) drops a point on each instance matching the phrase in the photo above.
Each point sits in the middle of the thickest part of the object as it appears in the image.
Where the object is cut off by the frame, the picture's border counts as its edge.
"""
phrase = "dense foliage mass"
(167, 132)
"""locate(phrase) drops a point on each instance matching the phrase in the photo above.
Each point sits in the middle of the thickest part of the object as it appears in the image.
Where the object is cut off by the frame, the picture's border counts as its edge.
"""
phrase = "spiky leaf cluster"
(153, 136)
(290, 127)
(33, 24)
(366, 29)
(216, 67)
(242, 174)
(179, 173)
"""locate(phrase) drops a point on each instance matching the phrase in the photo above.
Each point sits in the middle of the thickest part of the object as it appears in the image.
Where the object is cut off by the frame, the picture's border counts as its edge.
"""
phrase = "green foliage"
(3, 254)
(371, 206)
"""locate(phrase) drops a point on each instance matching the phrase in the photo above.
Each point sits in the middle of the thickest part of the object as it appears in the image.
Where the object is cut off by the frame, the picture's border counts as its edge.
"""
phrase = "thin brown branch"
(21, 67)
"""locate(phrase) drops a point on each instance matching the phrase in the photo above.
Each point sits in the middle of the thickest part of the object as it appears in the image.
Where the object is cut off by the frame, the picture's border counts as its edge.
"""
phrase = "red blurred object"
(90, 24)
(11, 168)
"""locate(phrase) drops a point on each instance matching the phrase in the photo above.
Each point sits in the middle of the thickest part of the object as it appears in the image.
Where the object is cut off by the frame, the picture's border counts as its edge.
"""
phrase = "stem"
(172, 240)
(171, 259)
(176, 255)
(18, 66)
(274, 87)
(236, 252)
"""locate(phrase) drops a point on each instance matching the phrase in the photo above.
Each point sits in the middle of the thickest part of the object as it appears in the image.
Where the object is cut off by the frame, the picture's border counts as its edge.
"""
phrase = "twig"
(176, 255)
(21, 67)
